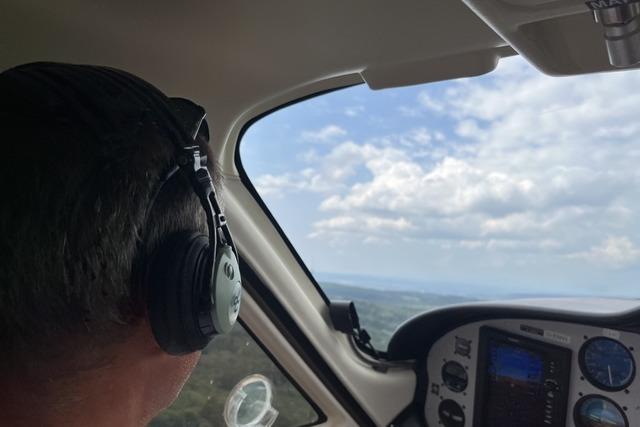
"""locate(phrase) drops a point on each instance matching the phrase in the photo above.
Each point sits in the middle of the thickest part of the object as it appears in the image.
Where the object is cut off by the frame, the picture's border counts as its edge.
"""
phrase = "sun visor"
(435, 69)
(559, 37)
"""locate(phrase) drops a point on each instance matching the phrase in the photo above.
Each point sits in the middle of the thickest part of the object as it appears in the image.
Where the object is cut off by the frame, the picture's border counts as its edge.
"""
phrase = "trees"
(225, 361)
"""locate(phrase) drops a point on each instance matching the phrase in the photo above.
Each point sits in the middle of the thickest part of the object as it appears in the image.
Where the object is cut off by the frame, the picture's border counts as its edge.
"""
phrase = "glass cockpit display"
(515, 375)
(521, 382)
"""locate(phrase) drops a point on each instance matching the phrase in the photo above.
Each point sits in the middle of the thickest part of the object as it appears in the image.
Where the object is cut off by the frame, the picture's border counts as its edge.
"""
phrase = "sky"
(513, 180)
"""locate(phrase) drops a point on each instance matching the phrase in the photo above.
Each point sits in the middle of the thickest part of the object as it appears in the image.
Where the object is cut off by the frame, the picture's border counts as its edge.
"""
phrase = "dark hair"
(84, 151)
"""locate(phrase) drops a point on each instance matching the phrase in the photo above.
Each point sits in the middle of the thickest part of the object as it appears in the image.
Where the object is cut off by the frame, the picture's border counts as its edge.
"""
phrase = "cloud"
(329, 173)
(509, 244)
(430, 103)
(421, 136)
(614, 252)
(522, 163)
(415, 141)
(458, 186)
(369, 226)
(354, 111)
(276, 185)
(409, 111)
(537, 164)
(325, 134)
(451, 187)
(468, 129)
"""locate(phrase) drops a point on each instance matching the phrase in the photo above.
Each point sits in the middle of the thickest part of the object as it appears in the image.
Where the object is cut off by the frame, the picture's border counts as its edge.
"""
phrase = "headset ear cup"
(178, 273)
(227, 290)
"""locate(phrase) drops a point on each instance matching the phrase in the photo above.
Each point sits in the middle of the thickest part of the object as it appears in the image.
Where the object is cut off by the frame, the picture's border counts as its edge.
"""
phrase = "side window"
(224, 363)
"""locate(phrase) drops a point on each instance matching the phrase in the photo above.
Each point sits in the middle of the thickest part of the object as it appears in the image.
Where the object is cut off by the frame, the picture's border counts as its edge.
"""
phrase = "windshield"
(509, 185)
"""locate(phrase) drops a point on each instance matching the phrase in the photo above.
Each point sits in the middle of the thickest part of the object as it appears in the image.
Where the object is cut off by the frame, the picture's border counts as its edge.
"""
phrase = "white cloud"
(354, 111)
(452, 187)
(508, 244)
(526, 163)
(468, 129)
(368, 226)
(413, 141)
(330, 173)
(409, 111)
(325, 134)
(539, 164)
(270, 185)
(614, 252)
(421, 136)
(430, 103)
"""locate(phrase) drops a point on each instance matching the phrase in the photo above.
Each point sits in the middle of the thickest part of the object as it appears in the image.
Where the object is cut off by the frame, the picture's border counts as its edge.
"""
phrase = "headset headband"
(189, 160)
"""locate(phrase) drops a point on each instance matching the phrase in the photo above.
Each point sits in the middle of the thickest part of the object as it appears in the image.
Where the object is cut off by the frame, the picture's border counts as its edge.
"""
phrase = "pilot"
(84, 153)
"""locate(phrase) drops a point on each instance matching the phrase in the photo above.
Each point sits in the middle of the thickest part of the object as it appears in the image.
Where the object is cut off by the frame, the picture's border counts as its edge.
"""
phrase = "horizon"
(363, 281)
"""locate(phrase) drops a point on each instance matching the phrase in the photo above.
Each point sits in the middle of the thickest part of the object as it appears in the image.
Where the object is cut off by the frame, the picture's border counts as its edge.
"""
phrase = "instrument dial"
(598, 411)
(454, 376)
(451, 414)
(607, 364)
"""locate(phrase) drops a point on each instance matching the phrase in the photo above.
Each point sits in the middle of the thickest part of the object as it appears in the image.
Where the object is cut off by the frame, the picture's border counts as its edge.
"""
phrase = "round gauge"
(607, 364)
(454, 376)
(451, 414)
(598, 411)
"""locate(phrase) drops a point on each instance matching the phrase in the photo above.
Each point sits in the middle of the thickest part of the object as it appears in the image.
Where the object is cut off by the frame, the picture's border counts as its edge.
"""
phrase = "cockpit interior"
(433, 202)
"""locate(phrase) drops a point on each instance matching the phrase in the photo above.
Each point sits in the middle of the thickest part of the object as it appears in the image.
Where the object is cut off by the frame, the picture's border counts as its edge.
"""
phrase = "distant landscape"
(231, 358)
(382, 311)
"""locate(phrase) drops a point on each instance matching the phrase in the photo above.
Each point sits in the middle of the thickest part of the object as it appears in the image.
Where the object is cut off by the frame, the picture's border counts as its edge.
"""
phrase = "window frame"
(378, 354)
(268, 302)
(246, 181)
(293, 334)
(321, 416)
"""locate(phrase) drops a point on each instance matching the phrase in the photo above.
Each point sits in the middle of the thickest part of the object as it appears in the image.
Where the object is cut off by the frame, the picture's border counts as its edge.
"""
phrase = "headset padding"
(178, 274)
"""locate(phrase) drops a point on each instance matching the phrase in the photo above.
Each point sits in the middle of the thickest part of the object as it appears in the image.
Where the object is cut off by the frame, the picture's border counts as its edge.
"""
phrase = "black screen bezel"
(548, 352)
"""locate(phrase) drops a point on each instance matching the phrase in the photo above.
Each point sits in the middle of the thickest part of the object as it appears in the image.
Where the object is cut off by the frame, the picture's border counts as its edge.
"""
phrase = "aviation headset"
(193, 281)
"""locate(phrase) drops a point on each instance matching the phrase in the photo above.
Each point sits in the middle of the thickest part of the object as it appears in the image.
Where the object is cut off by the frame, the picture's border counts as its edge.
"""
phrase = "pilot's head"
(84, 151)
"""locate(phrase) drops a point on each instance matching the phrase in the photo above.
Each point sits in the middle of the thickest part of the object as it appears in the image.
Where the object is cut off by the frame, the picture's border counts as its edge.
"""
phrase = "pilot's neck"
(126, 392)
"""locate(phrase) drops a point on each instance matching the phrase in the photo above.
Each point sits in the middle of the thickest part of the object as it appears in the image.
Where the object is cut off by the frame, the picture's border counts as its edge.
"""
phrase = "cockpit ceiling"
(231, 55)
(239, 51)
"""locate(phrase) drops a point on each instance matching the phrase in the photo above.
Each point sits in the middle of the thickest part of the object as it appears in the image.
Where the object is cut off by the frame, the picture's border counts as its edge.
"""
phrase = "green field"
(230, 358)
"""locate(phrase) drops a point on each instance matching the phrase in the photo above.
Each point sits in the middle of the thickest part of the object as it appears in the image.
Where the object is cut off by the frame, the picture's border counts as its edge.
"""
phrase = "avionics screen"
(521, 382)
(515, 386)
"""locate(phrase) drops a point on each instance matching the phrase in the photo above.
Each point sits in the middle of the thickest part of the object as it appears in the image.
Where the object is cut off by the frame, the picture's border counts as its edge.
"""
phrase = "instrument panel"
(532, 373)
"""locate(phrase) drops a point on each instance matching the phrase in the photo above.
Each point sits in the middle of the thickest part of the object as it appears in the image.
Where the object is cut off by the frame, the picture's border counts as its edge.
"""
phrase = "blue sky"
(514, 181)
